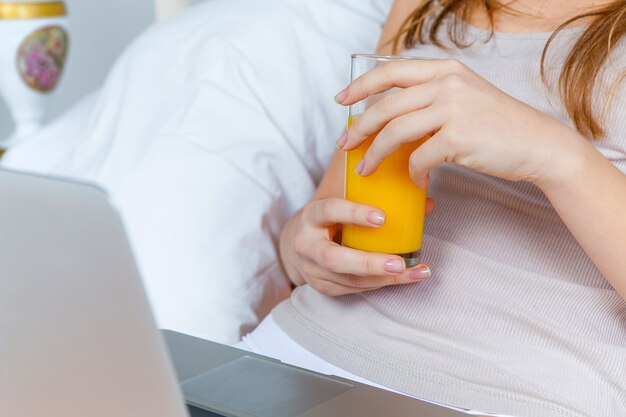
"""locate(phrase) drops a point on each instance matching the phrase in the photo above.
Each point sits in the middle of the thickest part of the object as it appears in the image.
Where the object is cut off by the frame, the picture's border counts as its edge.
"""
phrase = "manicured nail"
(376, 217)
(420, 272)
(341, 96)
(394, 265)
(342, 140)
(359, 167)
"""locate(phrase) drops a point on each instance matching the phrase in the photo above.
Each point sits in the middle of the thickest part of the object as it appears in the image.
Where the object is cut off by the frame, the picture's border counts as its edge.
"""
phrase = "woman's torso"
(516, 318)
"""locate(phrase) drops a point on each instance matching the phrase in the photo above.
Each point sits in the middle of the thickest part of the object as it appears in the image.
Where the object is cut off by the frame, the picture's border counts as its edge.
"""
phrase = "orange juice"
(391, 190)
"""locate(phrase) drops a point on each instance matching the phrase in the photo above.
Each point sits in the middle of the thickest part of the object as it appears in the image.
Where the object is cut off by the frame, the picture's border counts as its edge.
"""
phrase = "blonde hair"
(580, 70)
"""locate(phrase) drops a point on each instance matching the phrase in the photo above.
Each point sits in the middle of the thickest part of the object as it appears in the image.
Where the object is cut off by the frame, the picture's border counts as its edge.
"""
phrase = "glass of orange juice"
(389, 189)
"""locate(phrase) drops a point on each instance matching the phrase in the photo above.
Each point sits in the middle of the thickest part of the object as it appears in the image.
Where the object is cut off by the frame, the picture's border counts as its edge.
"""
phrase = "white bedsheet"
(210, 131)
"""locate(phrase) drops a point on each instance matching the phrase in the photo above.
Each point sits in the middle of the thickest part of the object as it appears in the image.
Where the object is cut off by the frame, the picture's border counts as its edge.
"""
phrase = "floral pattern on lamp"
(41, 57)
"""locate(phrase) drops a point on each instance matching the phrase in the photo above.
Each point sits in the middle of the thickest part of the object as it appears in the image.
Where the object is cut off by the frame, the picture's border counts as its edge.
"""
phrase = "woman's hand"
(473, 123)
(310, 255)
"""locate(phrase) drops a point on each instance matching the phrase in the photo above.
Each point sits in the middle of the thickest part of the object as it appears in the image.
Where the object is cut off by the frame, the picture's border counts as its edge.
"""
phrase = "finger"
(418, 273)
(323, 280)
(401, 73)
(331, 211)
(331, 283)
(430, 205)
(343, 260)
(411, 127)
(431, 153)
(391, 106)
(334, 289)
(410, 276)
(327, 282)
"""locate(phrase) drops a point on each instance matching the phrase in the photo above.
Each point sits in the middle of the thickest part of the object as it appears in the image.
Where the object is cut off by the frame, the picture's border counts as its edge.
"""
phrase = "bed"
(212, 128)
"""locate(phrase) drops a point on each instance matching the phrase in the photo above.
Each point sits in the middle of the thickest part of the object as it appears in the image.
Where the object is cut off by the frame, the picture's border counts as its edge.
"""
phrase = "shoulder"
(398, 13)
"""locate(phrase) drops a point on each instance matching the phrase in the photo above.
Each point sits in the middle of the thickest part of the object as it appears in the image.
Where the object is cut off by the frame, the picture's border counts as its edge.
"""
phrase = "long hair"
(592, 50)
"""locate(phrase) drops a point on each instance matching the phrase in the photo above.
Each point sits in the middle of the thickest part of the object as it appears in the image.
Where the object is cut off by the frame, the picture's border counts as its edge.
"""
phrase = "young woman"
(525, 311)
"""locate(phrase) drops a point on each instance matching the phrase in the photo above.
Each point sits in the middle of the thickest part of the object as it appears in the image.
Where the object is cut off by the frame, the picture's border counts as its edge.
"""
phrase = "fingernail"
(342, 140)
(394, 265)
(359, 167)
(420, 272)
(376, 217)
(341, 96)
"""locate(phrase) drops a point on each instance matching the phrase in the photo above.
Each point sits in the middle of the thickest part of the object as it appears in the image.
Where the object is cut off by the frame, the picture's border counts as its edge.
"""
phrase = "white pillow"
(211, 130)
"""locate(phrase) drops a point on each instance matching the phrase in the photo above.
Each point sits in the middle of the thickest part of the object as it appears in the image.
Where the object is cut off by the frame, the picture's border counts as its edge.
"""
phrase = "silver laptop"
(77, 337)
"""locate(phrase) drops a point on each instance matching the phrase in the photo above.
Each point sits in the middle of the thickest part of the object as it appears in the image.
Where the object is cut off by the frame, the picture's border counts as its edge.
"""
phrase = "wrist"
(565, 162)
(286, 251)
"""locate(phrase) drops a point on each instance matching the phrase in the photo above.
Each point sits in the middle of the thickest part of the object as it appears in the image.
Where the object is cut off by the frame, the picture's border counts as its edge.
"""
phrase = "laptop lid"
(77, 337)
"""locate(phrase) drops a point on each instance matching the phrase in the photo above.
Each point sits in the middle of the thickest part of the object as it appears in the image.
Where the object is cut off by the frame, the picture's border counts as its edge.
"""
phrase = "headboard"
(166, 8)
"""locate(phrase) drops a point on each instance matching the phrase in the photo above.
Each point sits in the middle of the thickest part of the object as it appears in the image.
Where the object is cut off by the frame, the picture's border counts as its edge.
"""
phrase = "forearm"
(589, 194)
(332, 182)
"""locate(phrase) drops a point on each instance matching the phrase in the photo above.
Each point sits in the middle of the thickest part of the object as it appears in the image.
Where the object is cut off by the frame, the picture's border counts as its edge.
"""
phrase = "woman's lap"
(270, 340)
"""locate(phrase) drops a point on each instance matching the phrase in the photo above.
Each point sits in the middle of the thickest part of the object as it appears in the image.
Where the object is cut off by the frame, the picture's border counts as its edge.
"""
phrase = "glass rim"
(376, 57)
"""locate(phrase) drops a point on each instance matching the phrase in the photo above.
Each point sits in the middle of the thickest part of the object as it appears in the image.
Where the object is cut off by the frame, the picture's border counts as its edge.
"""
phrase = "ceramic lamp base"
(32, 57)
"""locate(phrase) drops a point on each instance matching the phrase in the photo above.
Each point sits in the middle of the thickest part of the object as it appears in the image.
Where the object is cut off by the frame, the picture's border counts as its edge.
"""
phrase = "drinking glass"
(389, 189)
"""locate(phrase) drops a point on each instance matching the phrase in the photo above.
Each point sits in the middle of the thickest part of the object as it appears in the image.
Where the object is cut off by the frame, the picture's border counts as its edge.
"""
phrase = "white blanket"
(210, 131)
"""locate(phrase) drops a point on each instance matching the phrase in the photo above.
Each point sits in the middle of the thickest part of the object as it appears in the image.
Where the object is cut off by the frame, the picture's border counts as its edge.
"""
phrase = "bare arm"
(589, 193)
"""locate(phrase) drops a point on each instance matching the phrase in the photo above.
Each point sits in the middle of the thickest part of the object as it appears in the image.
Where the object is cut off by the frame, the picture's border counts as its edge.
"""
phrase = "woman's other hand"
(473, 123)
(310, 254)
